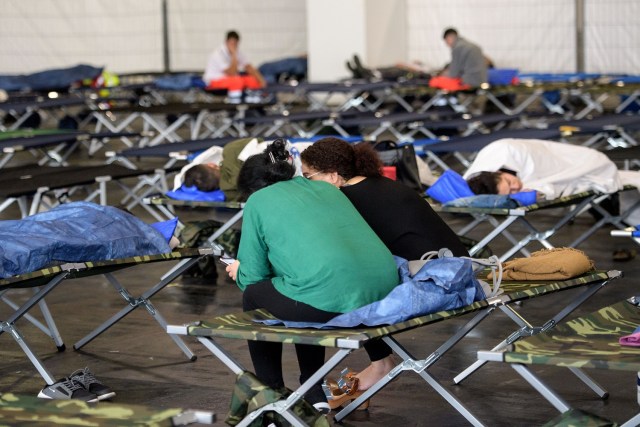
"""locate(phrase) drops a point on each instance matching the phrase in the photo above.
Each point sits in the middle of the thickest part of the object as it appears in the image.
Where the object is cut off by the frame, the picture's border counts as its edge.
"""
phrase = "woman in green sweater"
(305, 254)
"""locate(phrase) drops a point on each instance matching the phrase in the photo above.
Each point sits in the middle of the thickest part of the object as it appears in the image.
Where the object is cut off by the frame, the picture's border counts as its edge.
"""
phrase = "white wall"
(42, 34)
(126, 35)
(386, 37)
(532, 35)
(269, 29)
(612, 36)
(335, 31)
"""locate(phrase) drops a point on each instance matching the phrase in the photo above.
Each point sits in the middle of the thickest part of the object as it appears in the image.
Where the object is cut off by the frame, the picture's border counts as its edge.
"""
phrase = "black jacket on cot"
(403, 220)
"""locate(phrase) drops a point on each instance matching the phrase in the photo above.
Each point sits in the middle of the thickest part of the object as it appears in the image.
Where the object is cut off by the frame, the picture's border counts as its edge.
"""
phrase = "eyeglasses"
(310, 176)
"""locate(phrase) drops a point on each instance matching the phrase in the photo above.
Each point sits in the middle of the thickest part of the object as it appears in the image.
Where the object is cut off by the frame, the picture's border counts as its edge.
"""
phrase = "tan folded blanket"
(548, 264)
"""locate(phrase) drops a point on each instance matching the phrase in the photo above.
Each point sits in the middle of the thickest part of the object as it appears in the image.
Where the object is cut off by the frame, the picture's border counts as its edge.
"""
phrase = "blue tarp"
(441, 284)
(74, 232)
(49, 79)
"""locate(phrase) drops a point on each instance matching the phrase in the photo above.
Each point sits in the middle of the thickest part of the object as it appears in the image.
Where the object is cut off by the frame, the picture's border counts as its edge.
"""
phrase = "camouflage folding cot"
(22, 411)
(346, 340)
(575, 204)
(586, 342)
(45, 280)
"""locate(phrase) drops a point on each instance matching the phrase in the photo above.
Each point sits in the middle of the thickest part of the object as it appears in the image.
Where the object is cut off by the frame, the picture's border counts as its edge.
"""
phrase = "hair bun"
(278, 150)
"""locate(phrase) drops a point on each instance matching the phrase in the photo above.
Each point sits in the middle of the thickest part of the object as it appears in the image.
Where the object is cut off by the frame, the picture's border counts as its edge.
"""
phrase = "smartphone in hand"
(227, 260)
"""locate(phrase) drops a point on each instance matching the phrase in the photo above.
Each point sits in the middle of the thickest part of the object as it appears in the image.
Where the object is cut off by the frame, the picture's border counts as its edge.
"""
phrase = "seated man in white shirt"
(229, 69)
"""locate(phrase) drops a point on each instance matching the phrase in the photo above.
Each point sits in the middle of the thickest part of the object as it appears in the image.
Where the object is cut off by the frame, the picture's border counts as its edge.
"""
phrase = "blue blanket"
(192, 193)
(441, 284)
(49, 79)
(74, 232)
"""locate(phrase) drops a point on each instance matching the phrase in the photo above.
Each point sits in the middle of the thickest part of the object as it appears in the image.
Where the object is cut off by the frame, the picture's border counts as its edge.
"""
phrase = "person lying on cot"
(305, 254)
(403, 220)
(555, 169)
(218, 167)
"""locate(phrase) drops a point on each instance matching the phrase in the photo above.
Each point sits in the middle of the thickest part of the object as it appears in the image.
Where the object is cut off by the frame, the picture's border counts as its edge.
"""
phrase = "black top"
(403, 220)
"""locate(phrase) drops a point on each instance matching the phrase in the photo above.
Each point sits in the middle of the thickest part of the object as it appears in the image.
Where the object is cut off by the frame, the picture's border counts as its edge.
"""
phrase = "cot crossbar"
(577, 204)
(247, 326)
(185, 258)
(595, 346)
(45, 280)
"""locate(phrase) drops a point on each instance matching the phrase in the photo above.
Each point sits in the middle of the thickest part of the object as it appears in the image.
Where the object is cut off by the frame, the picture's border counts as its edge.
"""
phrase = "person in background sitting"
(228, 68)
(468, 67)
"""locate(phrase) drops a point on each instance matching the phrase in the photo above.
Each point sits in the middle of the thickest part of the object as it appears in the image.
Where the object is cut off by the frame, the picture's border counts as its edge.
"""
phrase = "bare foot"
(374, 372)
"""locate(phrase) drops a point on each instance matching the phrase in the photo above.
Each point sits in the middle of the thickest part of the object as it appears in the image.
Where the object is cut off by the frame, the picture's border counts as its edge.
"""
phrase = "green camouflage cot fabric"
(244, 326)
(578, 418)
(73, 270)
(518, 291)
(35, 278)
(586, 342)
(249, 394)
(108, 266)
(166, 201)
(19, 411)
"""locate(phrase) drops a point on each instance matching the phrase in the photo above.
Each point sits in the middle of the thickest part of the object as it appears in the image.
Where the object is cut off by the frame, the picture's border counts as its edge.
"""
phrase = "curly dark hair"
(203, 177)
(262, 170)
(336, 155)
(484, 182)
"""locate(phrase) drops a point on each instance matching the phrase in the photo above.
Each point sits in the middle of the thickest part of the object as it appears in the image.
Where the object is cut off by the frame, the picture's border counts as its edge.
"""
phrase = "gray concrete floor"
(143, 365)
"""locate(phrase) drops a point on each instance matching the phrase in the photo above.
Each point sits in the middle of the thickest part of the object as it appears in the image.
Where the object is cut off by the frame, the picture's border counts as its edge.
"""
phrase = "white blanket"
(552, 168)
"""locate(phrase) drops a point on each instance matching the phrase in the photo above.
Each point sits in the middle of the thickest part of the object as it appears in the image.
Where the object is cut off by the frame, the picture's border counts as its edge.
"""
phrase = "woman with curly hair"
(403, 220)
(305, 255)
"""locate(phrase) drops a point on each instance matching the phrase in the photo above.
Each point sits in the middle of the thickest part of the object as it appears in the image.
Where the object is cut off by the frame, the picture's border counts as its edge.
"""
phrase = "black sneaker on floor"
(85, 378)
(66, 389)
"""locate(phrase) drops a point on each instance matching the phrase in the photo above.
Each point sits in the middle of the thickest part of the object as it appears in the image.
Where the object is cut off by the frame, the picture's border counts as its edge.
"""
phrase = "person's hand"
(232, 270)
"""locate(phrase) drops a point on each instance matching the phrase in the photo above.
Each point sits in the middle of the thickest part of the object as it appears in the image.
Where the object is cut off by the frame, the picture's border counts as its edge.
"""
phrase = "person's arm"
(454, 69)
(252, 71)
(232, 69)
(254, 265)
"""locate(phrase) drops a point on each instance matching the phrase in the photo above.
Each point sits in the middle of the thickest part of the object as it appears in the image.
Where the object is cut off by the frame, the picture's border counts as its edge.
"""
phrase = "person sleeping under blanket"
(553, 169)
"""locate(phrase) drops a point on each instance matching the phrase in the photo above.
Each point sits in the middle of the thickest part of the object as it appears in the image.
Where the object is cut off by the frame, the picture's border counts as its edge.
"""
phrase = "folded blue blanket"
(74, 232)
(441, 284)
(483, 201)
(192, 193)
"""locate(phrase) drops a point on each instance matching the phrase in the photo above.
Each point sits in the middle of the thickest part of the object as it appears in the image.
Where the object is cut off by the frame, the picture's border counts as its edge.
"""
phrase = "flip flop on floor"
(624, 254)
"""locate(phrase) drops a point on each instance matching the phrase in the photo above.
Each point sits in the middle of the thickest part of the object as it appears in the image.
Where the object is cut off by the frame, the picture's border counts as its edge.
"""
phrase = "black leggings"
(267, 356)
